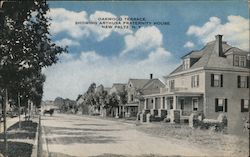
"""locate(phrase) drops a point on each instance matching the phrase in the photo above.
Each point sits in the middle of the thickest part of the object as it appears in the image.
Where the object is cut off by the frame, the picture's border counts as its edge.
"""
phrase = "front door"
(195, 104)
(182, 102)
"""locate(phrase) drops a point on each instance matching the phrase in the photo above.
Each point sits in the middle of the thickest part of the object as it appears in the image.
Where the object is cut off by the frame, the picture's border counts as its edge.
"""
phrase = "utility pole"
(19, 109)
(4, 123)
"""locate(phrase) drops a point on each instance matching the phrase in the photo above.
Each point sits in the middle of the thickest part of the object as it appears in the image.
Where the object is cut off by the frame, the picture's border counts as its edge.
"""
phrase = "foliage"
(26, 48)
(97, 97)
(112, 101)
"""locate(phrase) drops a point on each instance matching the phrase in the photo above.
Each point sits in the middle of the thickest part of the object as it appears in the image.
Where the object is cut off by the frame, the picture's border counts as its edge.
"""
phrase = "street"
(77, 135)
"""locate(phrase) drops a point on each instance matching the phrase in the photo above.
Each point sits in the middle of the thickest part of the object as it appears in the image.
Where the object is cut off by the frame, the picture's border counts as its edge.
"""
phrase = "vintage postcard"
(124, 78)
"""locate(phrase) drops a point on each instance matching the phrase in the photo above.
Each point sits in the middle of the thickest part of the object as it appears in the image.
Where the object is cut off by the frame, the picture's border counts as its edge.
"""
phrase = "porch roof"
(131, 104)
(187, 94)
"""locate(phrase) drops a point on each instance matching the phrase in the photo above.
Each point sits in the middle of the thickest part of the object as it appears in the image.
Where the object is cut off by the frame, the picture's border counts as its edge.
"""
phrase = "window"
(186, 63)
(243, 81)
(220, 105)
(195, 81)
(236, 60)
(195, 104)
(132, 97)
(216, 80)
(171, 84)
(182, 102)
(171, 103)
(244, 105)
(240, 60)
(152, 100)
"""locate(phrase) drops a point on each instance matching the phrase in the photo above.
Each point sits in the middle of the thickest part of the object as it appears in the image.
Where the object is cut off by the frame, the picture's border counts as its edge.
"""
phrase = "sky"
(114, 55)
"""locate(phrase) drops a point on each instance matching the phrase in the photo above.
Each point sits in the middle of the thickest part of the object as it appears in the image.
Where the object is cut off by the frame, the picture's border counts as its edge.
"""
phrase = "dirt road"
(75, 135)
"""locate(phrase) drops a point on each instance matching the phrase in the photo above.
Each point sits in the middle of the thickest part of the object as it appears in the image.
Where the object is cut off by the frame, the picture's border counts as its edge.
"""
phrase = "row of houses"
(210, 81)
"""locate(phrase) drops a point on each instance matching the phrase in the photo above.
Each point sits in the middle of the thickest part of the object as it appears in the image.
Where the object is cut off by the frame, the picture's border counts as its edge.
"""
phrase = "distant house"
(136, 88)
(118, 89)
(211, 81)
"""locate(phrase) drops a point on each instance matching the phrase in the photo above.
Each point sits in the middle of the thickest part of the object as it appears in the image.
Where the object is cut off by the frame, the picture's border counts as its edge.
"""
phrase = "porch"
(127, 110)
(174, 106)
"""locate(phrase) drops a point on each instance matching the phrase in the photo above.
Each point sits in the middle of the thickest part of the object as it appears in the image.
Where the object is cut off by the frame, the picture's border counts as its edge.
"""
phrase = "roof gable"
(209, 59)
(153, 84)
(137, 83)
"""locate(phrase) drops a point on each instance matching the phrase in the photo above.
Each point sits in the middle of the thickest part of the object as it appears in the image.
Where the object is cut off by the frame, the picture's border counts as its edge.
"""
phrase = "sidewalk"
(22, 142)
(9, 122)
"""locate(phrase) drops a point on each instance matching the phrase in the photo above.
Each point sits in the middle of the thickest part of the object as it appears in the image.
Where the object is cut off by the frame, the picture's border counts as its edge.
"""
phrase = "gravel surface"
(76, 135)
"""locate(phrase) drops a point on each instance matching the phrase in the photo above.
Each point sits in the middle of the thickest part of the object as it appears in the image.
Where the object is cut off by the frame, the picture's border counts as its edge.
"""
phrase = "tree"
(25, 48)
(123, 97)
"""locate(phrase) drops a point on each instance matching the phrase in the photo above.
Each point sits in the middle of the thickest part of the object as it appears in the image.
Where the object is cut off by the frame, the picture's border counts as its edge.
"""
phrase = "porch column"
(161, 102)
(117, 112)
(154, 99)
(166, 103)
(174, 102)
(123, 111)
(145, 103)
(161, 106)
(120, 110)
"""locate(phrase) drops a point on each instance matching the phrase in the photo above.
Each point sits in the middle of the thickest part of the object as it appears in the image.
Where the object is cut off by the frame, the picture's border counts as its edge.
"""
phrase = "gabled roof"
(138, 83)
(107, 89)
(153, 81)
(119, 87)
(209, 59)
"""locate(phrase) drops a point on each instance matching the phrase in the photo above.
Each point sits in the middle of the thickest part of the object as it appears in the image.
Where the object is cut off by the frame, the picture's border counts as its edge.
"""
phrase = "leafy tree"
(123, 97)
(112, 101)
(25, 48)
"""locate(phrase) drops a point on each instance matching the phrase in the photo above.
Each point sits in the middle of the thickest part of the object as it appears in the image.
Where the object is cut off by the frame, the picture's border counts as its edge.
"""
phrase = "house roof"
(138, 83)
(209, 59)
(107, 89)
(119, 87)
(153, 81)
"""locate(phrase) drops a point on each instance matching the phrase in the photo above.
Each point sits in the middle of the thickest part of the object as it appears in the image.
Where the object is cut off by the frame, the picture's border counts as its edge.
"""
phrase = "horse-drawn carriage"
(50, 111)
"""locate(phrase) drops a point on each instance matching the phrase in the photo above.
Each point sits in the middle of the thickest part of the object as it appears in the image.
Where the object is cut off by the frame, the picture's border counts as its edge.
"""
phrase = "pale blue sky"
(167, 43)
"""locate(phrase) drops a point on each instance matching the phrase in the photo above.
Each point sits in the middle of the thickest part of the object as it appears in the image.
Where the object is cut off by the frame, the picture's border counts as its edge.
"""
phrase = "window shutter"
(238, 81)
(225, 105)
(221, 80)
(247, 81)
(212, 80)
(198, 81)
(192, 81)
(216, 105)
(242, 105)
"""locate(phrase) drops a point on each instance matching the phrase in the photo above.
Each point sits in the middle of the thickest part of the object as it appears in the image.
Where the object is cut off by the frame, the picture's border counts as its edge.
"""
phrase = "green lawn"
(237, 146)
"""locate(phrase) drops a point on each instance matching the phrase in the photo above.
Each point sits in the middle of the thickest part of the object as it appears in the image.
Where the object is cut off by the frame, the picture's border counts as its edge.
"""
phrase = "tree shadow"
(143, 155)
(50, 129)
(91, 124)
(56, 154)
(82, 140)
(17, 149)
(29, 126)
(28, 131)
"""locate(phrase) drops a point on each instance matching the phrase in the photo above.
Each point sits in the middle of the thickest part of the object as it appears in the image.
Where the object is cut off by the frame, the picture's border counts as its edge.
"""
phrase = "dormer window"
(186, 63)
(240, 60)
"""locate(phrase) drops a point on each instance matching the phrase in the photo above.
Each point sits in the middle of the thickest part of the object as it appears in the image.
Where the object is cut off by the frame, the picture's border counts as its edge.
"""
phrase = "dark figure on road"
(50, 111)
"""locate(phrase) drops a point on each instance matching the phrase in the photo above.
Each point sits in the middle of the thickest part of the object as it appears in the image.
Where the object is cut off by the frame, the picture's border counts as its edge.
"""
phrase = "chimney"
(218, 45)
(151, 76)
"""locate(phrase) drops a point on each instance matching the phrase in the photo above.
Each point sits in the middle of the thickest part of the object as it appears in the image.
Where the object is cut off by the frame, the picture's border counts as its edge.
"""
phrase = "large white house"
(212, 80)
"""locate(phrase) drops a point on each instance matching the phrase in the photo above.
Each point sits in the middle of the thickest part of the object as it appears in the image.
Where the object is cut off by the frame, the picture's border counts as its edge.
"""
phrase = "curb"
(35, 145)
(131, 123)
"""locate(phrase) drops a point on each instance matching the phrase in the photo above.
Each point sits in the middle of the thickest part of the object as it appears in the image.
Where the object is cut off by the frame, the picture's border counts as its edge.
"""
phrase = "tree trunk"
(19, 109)
(4, 123)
